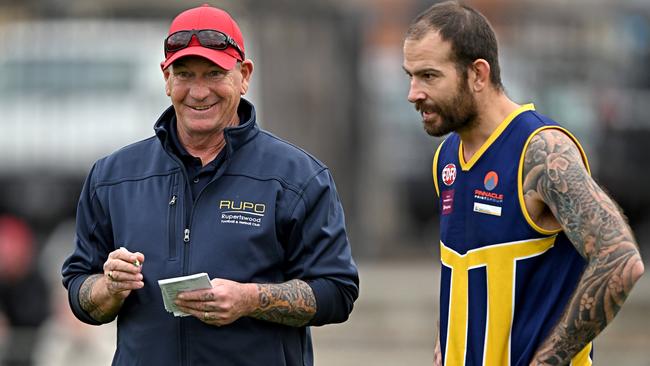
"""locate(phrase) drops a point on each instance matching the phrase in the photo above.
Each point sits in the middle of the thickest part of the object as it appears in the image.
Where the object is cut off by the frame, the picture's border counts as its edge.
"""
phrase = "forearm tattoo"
(87, 303)
(291, 303)
(553, 168)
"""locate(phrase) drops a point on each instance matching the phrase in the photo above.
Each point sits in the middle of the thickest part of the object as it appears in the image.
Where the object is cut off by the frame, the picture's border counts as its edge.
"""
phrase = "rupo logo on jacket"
(242, 212)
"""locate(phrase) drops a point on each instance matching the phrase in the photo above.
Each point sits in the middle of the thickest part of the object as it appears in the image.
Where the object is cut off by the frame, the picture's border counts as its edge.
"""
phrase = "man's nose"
(199, 91)
(415, 92)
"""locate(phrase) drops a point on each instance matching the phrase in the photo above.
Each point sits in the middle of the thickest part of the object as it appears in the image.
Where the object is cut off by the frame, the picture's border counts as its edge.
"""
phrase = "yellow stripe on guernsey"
(465, 166)
(435, 167)
(520, 186)
(500, 261)
(583, 358)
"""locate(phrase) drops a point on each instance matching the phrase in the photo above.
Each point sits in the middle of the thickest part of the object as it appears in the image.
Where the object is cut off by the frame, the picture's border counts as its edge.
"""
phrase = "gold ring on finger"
(110, 275)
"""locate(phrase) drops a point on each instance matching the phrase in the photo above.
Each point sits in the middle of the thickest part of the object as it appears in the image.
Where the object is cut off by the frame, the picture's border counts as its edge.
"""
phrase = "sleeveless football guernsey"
(504, 280)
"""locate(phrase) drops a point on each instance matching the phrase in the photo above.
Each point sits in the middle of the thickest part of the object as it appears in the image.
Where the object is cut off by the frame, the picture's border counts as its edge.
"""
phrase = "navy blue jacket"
(271, 214)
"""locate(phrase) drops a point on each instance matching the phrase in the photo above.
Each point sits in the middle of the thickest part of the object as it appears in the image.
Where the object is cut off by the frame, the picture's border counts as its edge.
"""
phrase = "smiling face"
(204, 95)
(437, 89)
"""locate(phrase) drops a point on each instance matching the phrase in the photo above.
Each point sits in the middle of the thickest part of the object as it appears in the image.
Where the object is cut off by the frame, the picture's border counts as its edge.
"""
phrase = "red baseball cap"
(206, 17)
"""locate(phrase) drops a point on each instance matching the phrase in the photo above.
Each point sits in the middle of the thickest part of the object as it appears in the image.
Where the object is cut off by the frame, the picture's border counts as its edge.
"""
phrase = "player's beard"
(458, 113)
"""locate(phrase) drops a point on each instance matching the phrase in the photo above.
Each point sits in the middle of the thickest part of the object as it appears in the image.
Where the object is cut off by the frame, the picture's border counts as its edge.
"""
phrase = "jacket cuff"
(73, 299)
(327, 296)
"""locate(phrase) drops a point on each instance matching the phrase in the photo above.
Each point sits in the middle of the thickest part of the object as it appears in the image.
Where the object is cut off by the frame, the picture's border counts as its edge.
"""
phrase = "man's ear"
(478, 75)
(167, 75)
(246, 69)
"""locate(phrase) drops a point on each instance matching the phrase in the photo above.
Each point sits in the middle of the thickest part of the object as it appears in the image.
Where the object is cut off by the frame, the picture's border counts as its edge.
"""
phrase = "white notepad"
(170, 287)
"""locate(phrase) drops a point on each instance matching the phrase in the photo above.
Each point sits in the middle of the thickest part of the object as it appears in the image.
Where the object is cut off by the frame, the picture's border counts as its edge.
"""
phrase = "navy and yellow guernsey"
(504, 281)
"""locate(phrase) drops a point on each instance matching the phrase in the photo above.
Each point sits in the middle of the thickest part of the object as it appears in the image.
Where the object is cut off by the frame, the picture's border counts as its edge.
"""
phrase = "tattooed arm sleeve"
(291, 303)
(554, 170)
(99, 304)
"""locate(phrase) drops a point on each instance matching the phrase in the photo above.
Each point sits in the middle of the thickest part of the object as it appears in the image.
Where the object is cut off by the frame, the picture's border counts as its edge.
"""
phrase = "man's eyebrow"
(426, 70)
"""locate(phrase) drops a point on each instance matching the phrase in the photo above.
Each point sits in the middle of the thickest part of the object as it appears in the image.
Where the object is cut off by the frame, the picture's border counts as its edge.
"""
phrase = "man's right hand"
(102, 295)
(437, 354)
(123, 272)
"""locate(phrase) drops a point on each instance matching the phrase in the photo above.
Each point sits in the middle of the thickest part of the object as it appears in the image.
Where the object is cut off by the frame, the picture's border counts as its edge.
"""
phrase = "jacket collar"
(236, 136)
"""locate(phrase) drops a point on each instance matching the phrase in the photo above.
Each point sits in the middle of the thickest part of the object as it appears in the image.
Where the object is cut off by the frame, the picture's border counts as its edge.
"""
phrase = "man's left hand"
(224, 303)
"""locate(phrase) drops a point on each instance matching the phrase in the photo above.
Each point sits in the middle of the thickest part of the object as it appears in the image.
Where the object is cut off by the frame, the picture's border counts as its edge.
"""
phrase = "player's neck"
(493, 109)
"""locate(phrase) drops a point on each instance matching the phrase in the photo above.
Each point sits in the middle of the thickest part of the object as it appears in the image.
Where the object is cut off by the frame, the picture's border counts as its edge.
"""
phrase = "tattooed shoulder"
(550, 164)
(553, 165)
(552, 152)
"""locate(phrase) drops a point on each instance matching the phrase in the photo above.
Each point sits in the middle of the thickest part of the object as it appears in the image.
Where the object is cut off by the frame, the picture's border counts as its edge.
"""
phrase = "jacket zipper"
(172, 226)
(172, 219)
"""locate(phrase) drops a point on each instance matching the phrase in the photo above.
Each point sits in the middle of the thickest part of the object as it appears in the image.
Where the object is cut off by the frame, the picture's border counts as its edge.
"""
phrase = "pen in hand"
(136, 262)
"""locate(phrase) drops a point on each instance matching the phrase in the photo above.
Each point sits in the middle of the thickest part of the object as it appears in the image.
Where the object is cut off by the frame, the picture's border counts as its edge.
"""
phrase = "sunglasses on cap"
(208, 38)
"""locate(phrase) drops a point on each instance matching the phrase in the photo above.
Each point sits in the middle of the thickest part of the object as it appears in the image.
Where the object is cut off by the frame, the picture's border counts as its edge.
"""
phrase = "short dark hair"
(468, 31)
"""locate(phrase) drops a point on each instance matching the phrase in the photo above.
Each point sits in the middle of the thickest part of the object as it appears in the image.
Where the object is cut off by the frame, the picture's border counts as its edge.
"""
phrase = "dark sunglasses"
(208, 38)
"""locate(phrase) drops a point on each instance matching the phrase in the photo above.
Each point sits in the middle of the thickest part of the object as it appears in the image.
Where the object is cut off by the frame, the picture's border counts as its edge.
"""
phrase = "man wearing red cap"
(212, 193)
